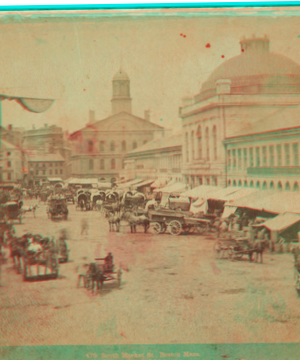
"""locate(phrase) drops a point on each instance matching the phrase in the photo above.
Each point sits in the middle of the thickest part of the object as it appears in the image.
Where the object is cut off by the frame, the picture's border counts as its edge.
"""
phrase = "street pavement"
(174, 290)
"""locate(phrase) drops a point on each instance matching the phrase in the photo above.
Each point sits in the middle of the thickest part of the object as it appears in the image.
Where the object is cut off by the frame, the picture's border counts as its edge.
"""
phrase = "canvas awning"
(52, 179)
(282, 202)
(199, 208)
(280, 222)
(143, 183)
(200, 191)
(174, 188)
(256, 201)
(240, 193)
(228, 210)
(128, 184)
(31, 104)
(80, 181)
(159, 183)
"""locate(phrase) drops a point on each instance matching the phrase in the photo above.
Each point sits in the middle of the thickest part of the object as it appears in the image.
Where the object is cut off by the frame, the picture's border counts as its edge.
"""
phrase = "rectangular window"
(264, 156)
(44, 172)
(239, 158)
(61, 171)
(257, 153)
(44, 165)
(56, 171)
(9, 176)
(287, 154)
(91, 164)
(8, 153)
(296, 154)
(102, 146)
(279, 155)
(251, 157)
(245, 158)
(50, 164)
(228, 159)
(9, 164)
(233, 159)
(50, 172)
(37, 172)
(271, 156)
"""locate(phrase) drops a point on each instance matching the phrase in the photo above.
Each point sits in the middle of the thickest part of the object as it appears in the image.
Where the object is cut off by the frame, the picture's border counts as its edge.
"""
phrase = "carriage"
(13, 210)
(5, 226)
(84, 200)
(98, 196)
(237, 247)
(47, 258)
(100, 271)
(57, 208)
(177, 221)
(112, 202)
(134, 201)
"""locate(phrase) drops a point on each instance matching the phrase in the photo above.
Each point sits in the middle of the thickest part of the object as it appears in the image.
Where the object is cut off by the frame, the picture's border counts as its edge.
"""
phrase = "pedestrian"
(82, 269)
(84, 227)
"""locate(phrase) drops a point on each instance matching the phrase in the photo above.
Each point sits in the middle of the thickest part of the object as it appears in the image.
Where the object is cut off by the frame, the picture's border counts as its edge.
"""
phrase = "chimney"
(147, 115)
(223, 86)
(92, 116)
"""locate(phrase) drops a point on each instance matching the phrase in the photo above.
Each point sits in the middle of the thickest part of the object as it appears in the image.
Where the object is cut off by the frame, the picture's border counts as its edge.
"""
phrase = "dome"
(255, 71)
(121, 75)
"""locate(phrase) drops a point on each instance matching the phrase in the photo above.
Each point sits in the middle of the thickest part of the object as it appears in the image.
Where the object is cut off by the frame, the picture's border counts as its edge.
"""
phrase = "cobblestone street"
(173, 290)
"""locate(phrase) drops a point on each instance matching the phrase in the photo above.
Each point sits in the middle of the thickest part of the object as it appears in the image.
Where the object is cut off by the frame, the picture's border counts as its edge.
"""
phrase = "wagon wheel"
(119, 277)
(25, 269)
(156, 228)
(54, 265)
(175, 227)
(218, 249)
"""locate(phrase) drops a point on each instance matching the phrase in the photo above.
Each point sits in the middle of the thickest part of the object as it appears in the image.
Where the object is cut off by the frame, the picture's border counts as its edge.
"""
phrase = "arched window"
(234, 183)
(102, 146)
(123, 145)
(229, 182)
(240, 183)
(245, 183)
(279, 186)
(112, 146)
(187, 146)
(296, 187)
(251, 184)
(287, 186)
(207, 142)
(215, 142)
(257, 185)
(264, 186)
(193, 145)
(102, 164)
(113, 164)
(271, 185)
(90, 146)
(134, 145)
(199, 137)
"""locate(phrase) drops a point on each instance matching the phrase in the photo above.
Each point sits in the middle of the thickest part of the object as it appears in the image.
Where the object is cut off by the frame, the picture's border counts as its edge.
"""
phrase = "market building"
(254, 88)
(99, 149)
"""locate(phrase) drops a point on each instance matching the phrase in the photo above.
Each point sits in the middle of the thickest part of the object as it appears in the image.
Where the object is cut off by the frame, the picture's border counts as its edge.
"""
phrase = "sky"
(73, 60)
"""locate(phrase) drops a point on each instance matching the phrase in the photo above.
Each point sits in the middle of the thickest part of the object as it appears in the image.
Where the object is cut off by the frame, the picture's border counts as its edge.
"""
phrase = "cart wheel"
(119, 276)
(218, 249)
(155, 228)
(25, 270)
(175, 227)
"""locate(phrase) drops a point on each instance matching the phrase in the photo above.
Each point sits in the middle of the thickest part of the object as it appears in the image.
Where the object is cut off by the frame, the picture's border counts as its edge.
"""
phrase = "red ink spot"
(208, 45)
(123, 335)
(181, 34)
(223, 56)
(242, 50)
(184, 35)
(83, 89)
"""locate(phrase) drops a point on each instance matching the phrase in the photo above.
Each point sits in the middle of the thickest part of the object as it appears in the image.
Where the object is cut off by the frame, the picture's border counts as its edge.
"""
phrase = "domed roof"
(121, 75)
(255, 67)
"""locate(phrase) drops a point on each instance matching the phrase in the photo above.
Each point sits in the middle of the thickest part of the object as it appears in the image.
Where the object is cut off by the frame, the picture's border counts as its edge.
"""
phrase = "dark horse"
(135, 220)
(95, 275)
(257, 247)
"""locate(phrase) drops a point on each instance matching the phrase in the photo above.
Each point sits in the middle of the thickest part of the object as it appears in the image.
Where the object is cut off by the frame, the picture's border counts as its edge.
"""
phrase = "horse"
(95, 274)
(81, 204)
(113, 220)
(135, 220)
(32, 209)
(257, 247)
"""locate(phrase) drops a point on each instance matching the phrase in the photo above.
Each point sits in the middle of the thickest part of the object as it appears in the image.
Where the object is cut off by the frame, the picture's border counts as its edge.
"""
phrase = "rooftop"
(34, 157)
(163, 143)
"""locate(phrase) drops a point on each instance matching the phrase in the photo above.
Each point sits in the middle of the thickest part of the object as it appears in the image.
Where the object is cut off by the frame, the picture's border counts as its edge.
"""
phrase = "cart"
(101, 271)
(177, 221)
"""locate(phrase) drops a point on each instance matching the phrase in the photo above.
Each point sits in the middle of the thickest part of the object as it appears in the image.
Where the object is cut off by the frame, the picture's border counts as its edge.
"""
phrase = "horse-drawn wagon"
(57, 208)
(236, 248)
(100, 271)
(84, 200)
(13, 210)
(177, 221)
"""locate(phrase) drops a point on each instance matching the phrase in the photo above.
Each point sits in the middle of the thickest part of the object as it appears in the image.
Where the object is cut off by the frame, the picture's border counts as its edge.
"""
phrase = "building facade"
(158, 159)
(266, 154)
(99, 149)
(11, 162)
(239, 93)
(42, 166)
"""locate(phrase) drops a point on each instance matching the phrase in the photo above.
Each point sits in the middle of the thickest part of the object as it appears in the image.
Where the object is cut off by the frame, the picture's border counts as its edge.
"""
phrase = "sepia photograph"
(149, 184)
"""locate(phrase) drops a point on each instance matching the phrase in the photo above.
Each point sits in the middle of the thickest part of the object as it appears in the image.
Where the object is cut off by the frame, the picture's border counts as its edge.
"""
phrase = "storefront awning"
(143, 183)
(159, 183)
(228, 210)
(200, 191)
(280, 222)
(174, 188)
(128, 184)
(240, 193)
